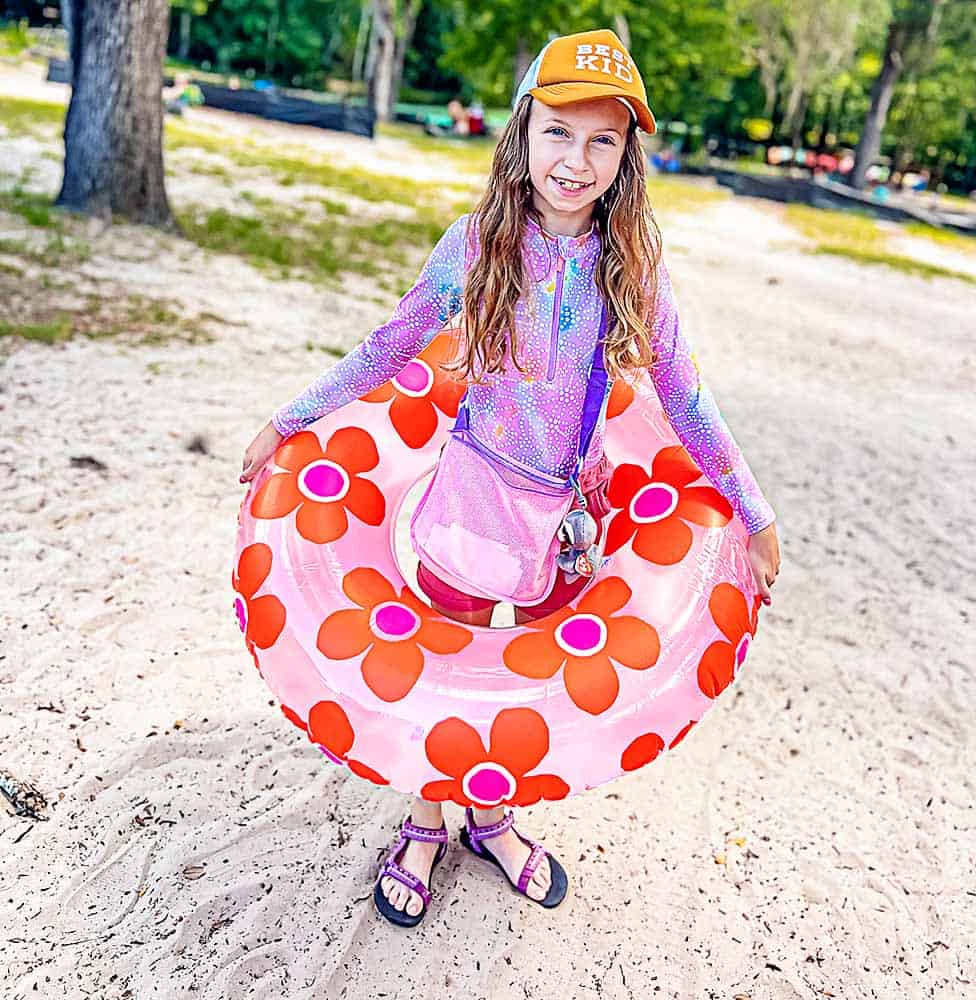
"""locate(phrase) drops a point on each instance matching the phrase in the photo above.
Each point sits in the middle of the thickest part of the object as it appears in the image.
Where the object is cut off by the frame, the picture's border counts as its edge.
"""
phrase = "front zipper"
(556, 307)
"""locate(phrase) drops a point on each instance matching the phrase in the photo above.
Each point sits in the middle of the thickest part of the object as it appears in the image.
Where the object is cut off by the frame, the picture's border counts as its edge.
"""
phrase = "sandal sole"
(557, 887)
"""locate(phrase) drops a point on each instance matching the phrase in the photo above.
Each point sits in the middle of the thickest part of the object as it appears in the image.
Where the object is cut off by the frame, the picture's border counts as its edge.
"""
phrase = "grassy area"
(297, 165)
(944, 237)
(907, 265)
(19, 116)
(857, 236)
(468, 155)
(671, 195)
(14, 38)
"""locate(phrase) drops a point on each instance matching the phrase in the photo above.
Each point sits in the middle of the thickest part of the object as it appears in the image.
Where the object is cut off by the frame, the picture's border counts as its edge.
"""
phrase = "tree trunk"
(359, 54)
(186, 19)
(869, 145)
(384, 56)
(113, 148)
(404, 38)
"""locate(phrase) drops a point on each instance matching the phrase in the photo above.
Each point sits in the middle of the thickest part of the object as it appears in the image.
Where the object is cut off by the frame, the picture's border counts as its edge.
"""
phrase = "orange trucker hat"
(584, 66)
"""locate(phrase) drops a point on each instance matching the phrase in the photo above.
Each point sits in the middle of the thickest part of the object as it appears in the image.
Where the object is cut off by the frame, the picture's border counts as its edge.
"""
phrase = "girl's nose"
(575, 158)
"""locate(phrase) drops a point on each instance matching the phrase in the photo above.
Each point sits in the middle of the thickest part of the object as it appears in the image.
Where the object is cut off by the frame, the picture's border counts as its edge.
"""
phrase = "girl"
(562, 230)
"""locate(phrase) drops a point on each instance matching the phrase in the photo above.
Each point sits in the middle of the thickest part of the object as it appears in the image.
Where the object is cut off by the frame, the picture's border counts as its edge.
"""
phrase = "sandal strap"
(410, 880)
(478, 833)
(536, 856)
(427, 833)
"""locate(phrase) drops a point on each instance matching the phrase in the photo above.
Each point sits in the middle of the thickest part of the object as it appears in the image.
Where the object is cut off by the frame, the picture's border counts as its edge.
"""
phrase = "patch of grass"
(468, 155)
(14, 37)
(30, 206)
(293, 167)
(907, 265)
(669, 195)
(850, 228)
(20, 116)
(945, 237)
(285, 238)
(857, 236)
(49, 332)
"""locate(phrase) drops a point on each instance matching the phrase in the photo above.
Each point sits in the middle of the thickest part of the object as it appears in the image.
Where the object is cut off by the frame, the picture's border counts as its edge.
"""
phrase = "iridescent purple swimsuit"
(536, 419)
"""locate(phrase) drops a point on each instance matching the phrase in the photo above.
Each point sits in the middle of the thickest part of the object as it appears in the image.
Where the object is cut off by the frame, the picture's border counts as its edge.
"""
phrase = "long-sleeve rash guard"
(535, 418)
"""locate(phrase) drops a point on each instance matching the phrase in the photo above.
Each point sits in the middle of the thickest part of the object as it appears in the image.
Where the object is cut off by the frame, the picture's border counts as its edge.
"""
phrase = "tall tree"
(911, 36)
(393, 25)
(113, 153)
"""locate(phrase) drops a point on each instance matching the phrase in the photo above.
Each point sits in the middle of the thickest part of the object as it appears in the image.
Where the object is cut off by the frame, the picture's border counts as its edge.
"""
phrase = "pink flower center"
(241, 609)
(416, 379)
(393, 621)
(488, 784)
(582, 635)
(653, 502)
(741, 650)
(328, 753)
(323, 481)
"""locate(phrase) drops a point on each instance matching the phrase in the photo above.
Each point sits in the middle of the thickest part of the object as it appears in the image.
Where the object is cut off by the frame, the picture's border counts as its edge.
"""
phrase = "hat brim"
(558, 94)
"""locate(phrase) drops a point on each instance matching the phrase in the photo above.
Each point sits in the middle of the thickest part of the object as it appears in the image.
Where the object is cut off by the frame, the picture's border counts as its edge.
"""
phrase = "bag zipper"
(556, 308)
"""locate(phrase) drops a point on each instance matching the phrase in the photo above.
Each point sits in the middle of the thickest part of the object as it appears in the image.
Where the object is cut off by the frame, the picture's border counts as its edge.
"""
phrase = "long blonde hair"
(626, 273)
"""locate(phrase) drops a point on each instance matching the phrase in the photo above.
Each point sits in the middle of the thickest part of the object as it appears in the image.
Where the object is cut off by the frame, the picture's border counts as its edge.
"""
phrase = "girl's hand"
(260, 450)
(764, 555)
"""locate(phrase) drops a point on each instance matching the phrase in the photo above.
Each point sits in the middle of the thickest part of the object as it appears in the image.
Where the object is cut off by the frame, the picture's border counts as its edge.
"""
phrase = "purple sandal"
(409, 831)
(471, 836)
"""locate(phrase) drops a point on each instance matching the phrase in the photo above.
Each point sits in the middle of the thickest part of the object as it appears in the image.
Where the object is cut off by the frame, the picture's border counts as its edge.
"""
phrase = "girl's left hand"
(764, 555)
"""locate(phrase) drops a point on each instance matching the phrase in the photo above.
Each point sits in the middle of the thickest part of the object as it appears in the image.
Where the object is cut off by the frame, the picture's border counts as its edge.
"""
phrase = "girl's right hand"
(260, 450)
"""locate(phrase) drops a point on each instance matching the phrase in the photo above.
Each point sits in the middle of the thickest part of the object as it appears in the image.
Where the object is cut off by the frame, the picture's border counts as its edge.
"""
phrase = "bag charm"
(580, 555)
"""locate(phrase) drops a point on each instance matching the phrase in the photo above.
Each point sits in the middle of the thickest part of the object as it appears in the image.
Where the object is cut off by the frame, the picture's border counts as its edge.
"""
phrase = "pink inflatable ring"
(403, 696)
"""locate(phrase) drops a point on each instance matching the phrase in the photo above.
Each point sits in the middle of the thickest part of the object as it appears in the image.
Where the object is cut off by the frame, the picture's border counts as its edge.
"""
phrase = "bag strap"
(596, 389)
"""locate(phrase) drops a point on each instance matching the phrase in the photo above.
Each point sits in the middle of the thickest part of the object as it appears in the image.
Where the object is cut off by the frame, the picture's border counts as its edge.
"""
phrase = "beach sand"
(814, 839)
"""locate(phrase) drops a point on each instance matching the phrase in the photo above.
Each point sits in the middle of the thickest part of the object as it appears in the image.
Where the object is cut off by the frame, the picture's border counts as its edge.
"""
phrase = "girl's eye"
(609, 140)
(556, 128)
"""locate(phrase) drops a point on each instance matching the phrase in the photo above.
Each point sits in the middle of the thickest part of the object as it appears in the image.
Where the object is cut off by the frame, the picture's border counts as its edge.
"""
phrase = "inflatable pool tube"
(403, 696)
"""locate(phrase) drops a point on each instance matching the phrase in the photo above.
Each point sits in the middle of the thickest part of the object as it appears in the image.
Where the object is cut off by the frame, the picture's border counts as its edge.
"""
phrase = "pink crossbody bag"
(490, 522)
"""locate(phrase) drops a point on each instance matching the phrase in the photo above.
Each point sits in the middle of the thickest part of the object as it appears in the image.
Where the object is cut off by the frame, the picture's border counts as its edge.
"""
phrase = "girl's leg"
(419, 855)
(513, 854)
(417, 858)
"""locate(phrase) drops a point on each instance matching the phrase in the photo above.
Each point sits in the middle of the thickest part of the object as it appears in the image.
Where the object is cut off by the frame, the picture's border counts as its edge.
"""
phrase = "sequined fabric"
(536, 418)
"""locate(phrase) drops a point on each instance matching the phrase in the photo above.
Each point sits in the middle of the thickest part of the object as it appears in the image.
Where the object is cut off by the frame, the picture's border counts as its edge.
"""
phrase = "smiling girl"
(563, 232)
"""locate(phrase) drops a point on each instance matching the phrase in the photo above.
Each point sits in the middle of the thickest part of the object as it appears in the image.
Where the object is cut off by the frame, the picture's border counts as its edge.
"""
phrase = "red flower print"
(646, 748)
(328, 726)
(323, 485)
(721, 661)
(621, 396)
(497, 776)
(393, 627)
(329, 729)
(654, 508)
(586, 640)
(421, 386)
(261, 619)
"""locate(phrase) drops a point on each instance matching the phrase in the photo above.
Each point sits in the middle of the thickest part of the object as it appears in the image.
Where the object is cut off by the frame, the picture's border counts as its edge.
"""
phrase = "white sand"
(197, 846)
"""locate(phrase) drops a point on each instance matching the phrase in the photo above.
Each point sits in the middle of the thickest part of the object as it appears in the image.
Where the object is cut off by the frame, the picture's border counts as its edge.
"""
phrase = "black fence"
(270, 104)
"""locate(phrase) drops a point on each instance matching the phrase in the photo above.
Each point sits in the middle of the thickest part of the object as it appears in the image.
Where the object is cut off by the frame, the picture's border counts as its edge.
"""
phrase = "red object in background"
(476, 123)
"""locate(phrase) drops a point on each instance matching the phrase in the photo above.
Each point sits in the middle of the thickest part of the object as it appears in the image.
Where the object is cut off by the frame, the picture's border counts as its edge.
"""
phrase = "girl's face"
(574, 154)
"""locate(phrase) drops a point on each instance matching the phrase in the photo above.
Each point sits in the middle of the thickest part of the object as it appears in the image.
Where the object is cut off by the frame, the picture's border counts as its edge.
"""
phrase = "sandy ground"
(196, 843)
